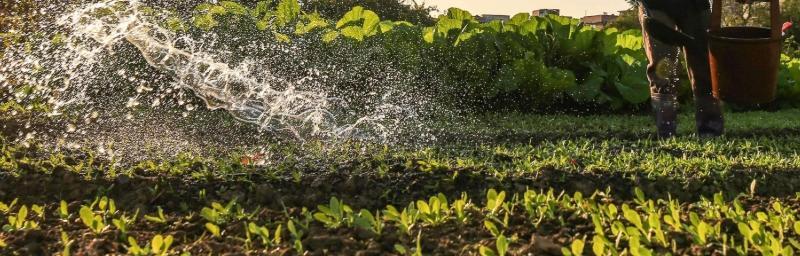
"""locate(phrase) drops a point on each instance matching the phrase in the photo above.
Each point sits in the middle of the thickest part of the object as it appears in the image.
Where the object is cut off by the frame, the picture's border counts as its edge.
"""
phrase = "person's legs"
(661, 72)
(709, 120)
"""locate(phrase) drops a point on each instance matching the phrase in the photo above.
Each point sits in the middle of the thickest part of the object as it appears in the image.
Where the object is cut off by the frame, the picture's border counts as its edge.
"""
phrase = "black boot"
(710, 122)
(665, 108)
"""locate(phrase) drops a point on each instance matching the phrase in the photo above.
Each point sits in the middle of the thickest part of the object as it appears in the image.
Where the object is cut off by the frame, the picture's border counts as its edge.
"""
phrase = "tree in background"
(628, 19)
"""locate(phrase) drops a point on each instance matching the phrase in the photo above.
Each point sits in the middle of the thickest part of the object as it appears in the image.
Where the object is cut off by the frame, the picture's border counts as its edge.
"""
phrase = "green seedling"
(20, 221)
(67, 243)
(264, 234)
(123, 222)
(6, 208)
(495, 201)
(367, 221)
(405, 220)
(158, 246)
(94, 222)
(459, 208)
(575, 249)
(63, 211)
(501, 244)
(336, 214)
(434, 212)
(220, 215)
(214, 229)
(159, 218)
(297, 235)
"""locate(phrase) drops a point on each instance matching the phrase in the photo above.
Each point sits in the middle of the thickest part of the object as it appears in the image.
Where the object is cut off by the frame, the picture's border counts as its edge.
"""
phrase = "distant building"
(492, 17)
(545, 12)
(599, 21)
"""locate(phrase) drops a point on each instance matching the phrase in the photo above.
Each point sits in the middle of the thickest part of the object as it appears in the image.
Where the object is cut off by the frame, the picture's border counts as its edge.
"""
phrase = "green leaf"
(87, 217)
(287, 11)
(353, 32)
(214, 229)
(262, 8)
(502, 245)
(330, 36)
(598, 245)
(399, 248)
(233, 8)
(486, 251)
(797, 227)
(157, 244)
(577, 247)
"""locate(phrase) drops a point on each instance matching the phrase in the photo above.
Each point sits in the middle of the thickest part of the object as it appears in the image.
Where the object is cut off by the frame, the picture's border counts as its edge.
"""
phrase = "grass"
(510, 184)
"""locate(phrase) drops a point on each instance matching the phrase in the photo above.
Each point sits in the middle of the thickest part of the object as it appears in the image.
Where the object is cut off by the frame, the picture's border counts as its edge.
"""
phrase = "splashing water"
(66, 72)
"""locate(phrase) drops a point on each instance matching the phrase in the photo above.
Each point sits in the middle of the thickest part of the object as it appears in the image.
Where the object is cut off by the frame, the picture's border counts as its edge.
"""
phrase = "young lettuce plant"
(405, 220)
(459, 208)
(495, 201)
(501, 244)
(336, 214)
(434, 212)
(20, 221)
(94, 222)
(367, 221)
(264, 234)
(158, 246)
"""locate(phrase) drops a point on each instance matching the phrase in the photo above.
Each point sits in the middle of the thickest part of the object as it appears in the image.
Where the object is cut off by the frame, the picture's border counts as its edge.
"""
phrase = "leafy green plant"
(501, 244)
(367, 221)
(336, 214)
(159, 218)
(63, 211)
(495, 201)
(576, 248)
(264, 234)
(219, 214)
(20, 221)
(459, 208)
(94, 222)
(434, 212)
(159, 246)
(405, 220)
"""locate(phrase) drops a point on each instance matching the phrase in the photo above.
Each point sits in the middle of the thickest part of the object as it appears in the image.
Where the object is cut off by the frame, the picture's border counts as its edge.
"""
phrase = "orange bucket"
(745, 60)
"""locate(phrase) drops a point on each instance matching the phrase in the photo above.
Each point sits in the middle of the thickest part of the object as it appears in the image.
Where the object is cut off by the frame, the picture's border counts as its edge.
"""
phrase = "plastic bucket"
(745, 60)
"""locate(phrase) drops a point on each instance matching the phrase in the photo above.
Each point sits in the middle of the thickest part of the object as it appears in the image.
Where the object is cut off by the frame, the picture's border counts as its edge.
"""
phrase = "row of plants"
(525, 62)
(502, 224)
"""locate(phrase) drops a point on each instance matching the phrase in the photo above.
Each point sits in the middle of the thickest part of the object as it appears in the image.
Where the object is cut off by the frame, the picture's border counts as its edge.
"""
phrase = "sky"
(574, 8)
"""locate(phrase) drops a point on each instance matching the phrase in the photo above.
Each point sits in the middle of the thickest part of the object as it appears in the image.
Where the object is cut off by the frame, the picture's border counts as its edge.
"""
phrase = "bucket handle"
(775, 17)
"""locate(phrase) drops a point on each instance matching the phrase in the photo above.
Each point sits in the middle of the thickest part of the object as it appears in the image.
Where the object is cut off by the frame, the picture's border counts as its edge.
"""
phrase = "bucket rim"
(714, 36)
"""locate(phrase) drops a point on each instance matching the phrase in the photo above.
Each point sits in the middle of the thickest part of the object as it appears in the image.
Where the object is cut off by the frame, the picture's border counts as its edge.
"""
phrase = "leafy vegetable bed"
(580, 185)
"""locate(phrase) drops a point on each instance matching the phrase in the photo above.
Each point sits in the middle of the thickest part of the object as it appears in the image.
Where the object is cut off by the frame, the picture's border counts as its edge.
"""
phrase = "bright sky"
(574, 8)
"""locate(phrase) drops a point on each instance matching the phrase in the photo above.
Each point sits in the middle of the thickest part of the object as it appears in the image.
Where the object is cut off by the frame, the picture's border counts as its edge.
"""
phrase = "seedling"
(495, 201)
(336, 214)
(20, 221)
(158, 246)
(501, 244)
(63, 211)
(159, 218)
(6, 208)
(367, 221)
(94, 222)
(459, 208)
(434, 212)
(575, 249)
(214, 229)
(405, 220)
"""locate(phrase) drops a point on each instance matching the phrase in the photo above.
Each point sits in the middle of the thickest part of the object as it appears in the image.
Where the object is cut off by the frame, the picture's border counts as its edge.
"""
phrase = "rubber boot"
(710, 122)
(665, 108)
